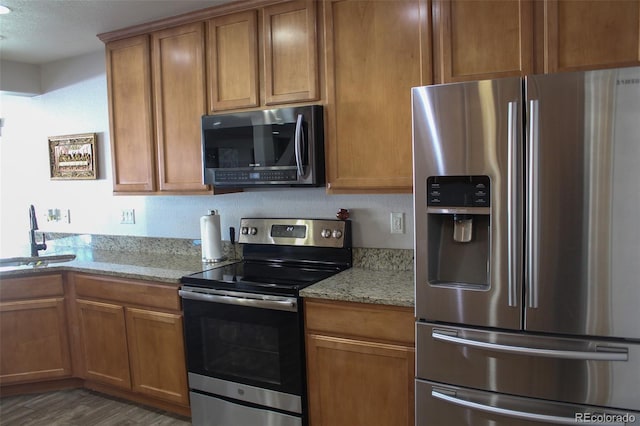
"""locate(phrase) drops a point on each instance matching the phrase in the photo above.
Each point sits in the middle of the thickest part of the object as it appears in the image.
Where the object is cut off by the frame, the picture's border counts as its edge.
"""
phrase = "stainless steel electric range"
(244, 327)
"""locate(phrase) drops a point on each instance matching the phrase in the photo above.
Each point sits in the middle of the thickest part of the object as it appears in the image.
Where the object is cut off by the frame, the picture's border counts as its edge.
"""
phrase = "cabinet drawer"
(127, 291)
(377, 322)
(31, 287)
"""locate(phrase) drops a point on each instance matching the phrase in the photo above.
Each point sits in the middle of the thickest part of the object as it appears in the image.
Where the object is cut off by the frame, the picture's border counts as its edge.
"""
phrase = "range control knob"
(253, 231)
(244, 230)
(326, 233)
(337, 233)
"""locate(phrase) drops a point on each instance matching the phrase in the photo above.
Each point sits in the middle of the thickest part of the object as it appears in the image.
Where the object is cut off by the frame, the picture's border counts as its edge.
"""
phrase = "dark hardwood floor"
(80, 407)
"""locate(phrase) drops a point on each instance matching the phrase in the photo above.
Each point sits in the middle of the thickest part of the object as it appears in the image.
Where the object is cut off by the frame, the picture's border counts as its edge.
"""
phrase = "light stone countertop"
(159, 267)
(367, 282)
(366, 286)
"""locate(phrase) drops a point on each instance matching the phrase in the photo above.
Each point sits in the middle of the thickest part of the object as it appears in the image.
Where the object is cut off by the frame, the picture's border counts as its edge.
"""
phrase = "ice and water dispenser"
(459, 230)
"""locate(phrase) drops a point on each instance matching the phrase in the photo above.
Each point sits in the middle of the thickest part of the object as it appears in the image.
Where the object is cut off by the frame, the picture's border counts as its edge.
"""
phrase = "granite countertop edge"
(356, 284)
(361, 285)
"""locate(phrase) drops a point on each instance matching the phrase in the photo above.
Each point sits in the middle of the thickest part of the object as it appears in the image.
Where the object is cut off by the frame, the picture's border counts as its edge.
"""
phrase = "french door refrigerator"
(527, 250)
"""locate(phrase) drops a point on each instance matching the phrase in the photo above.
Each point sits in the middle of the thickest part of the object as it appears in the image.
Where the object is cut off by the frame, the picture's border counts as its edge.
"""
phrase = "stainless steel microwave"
(283, 146)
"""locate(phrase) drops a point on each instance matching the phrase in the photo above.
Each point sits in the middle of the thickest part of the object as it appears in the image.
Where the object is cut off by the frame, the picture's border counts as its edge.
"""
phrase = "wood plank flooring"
(80, 407)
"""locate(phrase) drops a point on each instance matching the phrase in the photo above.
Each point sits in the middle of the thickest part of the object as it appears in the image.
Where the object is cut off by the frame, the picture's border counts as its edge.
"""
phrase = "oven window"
(249, 345)
(249, 351)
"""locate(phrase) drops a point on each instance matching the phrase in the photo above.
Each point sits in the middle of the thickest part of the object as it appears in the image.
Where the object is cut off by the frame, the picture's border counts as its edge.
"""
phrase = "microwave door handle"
(299, 136)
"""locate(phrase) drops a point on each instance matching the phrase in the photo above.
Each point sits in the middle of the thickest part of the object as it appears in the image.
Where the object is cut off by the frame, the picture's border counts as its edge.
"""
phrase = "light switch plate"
(397, 223)
(127, 217)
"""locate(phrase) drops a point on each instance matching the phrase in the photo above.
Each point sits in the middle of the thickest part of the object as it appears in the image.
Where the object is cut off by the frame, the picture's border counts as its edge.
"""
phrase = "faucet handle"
(43, 244)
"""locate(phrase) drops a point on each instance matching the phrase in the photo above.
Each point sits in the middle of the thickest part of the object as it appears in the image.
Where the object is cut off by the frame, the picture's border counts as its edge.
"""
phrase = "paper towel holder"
(211, 239)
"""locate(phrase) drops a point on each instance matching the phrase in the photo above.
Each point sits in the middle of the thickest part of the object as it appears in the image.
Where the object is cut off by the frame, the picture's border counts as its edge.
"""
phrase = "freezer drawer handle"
(507, 412)
(602, 353)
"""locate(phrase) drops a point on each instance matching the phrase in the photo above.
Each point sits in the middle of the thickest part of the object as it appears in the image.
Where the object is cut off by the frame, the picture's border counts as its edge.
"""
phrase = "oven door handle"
(279, 304)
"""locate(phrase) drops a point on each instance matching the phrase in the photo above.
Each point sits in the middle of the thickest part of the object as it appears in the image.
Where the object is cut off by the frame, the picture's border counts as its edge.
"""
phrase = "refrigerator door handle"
(533, 204)
(451, 397)
(512, 201)
(602, 353)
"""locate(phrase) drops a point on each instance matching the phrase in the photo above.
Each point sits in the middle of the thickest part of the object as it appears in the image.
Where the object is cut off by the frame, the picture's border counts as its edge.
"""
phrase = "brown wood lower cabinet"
(360, 364)
(156, 354)
(34, 343)
(132, 339)
(104, 342)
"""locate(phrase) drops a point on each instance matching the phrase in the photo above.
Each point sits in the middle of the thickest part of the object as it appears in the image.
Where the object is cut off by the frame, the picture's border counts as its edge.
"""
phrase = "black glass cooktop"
(258, 277)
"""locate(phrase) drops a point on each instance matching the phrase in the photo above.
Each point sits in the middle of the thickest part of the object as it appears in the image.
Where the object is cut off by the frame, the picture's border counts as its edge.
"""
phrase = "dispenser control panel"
(459, 191)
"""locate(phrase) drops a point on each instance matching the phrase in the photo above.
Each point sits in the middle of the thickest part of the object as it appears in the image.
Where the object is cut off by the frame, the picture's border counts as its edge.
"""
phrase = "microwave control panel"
(246, 176)
(458, 191)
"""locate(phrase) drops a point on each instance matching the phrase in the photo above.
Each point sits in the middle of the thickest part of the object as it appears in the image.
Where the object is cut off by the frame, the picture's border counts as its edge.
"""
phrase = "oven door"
(245, 346)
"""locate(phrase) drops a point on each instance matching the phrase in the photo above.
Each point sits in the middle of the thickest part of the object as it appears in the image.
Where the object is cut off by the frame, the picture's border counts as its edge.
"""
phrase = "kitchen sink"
(36, 260)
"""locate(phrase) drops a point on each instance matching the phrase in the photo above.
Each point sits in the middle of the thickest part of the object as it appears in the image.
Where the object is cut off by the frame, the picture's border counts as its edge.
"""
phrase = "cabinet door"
(179, 97)
(485, 39)
(354, 382)
(592, 34)
(376, 51)
(290, 52)
(232, 61)
(131, 119)
(156, 349)
(33, 340)
(104, 339)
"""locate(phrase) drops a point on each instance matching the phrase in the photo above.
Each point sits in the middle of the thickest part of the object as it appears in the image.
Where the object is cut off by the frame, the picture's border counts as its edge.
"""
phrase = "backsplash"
(383, 259)
(367, 258)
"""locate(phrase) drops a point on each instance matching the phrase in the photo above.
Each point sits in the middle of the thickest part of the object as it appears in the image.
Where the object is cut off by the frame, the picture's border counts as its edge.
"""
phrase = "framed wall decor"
(73, 156)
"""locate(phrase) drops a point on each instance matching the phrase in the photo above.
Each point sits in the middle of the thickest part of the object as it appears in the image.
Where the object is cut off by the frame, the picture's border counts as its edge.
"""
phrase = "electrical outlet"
(58, 215)
(127, 216)
(397, 223)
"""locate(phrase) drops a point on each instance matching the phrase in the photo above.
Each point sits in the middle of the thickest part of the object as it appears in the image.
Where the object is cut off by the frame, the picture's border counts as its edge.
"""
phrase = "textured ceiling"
(41, 31)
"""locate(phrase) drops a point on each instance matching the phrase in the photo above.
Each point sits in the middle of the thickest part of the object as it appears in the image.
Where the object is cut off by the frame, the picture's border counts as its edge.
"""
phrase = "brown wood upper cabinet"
(167, 160)
(591, 34)
(476, 40)
(290, 52)
(179, 99)
(289, 57)
(131, 114)
(485, 39)
(232, 61)
(375, 52)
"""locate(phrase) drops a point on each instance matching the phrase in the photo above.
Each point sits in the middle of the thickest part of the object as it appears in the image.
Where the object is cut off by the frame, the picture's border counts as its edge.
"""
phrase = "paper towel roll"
(210, 236)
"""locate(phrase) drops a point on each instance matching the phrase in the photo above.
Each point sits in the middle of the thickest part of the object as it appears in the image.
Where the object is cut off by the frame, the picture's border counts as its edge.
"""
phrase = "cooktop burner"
(260, 277)
(282, 256)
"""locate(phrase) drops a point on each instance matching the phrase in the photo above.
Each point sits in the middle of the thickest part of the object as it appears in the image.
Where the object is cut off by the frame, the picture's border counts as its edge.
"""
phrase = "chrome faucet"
(35, 246)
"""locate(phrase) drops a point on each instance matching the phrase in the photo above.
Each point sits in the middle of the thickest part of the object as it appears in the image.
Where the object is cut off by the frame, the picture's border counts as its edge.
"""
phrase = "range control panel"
(298, 232)
(458, 191)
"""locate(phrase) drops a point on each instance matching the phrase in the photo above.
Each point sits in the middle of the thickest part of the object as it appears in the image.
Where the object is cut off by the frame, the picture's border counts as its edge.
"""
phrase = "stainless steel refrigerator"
(527, 250)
